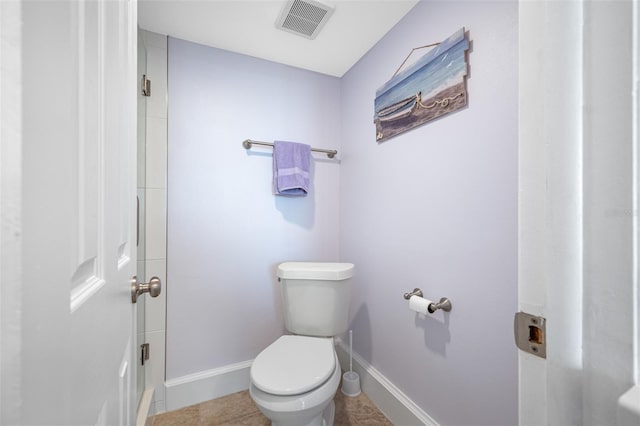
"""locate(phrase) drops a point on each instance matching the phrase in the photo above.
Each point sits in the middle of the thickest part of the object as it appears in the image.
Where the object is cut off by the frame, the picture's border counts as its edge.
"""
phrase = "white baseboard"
(397, 406)
(205, 385)
(629, 407)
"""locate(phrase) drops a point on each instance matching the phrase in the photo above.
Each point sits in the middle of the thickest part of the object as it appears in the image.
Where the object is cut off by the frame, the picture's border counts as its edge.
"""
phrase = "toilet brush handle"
(350, 350)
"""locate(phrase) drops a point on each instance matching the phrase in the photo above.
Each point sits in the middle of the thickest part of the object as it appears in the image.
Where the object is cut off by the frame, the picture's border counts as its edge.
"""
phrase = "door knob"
(153, 287)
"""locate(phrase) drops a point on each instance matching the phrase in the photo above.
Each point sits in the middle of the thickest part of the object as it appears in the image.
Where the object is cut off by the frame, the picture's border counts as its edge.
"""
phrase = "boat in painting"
(398, 110)
(430, 88)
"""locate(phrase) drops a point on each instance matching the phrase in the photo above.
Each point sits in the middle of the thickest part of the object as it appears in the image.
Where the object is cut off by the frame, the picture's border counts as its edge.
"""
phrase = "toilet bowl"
(294, 381)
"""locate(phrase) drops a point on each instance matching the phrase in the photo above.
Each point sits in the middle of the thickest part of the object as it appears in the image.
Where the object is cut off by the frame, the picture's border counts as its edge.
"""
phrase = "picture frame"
(434, 86)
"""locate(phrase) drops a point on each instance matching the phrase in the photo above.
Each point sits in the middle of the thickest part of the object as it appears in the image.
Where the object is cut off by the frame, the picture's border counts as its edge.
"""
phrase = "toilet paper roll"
(419, 304)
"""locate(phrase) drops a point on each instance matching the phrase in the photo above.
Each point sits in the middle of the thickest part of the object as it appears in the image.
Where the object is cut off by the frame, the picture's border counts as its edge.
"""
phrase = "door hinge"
(144, 353)
(146, 86)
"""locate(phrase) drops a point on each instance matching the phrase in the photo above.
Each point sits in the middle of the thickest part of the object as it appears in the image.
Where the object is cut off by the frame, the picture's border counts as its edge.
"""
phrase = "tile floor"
(239, 409)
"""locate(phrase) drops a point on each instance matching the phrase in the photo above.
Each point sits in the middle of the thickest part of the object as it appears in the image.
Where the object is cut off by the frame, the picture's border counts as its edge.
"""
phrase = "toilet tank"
(315, 297)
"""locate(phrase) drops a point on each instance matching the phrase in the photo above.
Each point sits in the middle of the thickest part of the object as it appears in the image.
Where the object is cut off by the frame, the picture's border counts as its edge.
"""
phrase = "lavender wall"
(226, 231)
(436, 208)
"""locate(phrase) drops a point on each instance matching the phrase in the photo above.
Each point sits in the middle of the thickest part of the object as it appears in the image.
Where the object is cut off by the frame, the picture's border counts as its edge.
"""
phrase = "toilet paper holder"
(415, 292)
(444, 303)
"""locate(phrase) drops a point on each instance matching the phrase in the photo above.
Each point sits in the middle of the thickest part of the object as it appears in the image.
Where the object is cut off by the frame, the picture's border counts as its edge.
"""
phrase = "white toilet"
(294, 380)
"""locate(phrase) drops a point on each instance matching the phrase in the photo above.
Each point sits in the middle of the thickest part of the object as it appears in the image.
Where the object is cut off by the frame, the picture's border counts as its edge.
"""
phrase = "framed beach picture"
(435, 85)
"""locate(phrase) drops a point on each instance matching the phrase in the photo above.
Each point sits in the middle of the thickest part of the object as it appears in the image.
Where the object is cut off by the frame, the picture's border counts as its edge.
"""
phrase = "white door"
(578, 207)
(68, 211)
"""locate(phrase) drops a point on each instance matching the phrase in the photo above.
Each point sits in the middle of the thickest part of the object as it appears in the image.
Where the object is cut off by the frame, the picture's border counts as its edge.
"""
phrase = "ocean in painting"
(434, 83)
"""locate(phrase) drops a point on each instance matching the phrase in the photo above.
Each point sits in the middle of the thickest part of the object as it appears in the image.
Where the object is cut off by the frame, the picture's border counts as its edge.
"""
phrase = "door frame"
(10, 208)
(578, 213)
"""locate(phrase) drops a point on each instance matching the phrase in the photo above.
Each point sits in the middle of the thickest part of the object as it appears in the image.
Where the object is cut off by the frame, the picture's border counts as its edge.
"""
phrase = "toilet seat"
(293, 365)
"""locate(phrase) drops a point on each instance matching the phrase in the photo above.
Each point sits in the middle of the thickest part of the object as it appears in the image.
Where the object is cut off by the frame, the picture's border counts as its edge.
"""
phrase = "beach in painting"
(458, 99)
(430, 88)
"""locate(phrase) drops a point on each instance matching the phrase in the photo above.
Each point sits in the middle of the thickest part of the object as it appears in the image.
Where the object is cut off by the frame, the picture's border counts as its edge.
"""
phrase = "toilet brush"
(350, 379)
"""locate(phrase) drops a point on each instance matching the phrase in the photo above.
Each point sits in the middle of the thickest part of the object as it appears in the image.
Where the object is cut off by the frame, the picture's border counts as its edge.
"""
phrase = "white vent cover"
(304, 17)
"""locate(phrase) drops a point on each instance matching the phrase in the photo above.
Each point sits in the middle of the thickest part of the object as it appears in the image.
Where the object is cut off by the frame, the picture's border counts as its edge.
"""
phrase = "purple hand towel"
(291, 168)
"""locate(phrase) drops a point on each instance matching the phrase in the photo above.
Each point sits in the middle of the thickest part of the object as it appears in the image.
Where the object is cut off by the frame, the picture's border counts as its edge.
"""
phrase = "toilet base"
(325, 418)
(329, 414)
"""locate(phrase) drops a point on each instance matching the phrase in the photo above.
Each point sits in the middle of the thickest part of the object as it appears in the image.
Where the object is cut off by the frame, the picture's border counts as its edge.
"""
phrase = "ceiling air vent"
(304, 17)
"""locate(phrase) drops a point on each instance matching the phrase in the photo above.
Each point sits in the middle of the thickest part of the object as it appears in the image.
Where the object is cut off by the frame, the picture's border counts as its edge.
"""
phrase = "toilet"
(295, 378)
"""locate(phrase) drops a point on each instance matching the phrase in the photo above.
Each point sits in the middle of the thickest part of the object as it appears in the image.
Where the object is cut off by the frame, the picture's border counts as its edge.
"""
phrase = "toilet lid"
(293, 364)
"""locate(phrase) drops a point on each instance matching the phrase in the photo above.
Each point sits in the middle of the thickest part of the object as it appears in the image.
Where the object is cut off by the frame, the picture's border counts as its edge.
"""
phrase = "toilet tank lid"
(315, 270)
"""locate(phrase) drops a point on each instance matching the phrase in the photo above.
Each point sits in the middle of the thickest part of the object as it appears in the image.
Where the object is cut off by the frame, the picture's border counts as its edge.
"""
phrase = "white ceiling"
(248, 27)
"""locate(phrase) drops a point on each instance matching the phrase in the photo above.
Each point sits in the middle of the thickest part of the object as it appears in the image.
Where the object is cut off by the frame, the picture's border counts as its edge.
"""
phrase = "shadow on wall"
(436, 331)
(277, 296)
(299, 210)
(361, 325)
(296, 210)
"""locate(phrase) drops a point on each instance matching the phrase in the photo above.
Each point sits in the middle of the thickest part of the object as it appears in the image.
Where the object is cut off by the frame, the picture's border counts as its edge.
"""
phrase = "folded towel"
(291, 168)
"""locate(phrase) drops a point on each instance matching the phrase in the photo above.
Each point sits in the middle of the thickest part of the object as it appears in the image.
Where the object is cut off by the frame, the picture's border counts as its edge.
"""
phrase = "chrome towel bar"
(247, 143)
